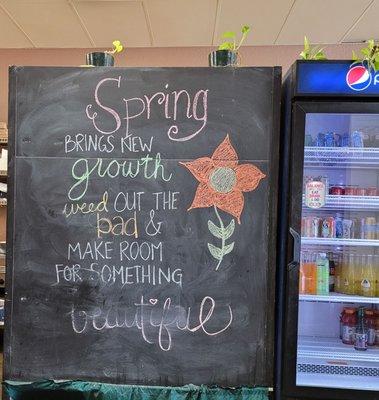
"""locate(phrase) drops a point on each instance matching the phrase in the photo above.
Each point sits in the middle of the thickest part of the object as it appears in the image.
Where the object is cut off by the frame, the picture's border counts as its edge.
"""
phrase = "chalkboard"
(141, 227)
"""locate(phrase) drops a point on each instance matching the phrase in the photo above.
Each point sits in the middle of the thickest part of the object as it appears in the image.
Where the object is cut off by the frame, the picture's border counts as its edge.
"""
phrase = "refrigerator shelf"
(346, 156)
(339, 242)
(333, 349)
(347, 202)
(338, 298)
(337, 381)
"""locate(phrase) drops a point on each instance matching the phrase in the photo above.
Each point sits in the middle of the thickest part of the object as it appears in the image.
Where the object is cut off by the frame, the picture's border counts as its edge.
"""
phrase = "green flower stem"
(222, 240)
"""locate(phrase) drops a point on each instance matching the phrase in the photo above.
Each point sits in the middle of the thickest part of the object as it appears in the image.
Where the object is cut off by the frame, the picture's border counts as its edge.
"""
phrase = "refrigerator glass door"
(338, 310)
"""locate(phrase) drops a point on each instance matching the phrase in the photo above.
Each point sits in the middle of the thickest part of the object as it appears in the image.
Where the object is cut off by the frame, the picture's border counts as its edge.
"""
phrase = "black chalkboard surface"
(141, 227)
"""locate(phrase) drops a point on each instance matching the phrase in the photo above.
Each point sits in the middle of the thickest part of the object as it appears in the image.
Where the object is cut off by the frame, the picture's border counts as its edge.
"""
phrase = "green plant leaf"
(365, 51)
(376, 66)
(226, 46)
(319, 56)
(215, 230)
(229, 230)
(370, 44)
(245, 29)
(215, 251)
(228, 248)
(303, 55)
(229, 35)
(306, 44)
(354, 56)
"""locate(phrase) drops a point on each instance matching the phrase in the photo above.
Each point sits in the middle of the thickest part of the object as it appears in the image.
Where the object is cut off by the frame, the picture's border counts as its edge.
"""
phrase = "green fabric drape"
(80, 390)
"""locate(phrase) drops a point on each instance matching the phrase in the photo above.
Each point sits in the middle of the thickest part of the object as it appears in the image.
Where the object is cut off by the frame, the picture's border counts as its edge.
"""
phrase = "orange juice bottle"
(307, 278)
(302, 274)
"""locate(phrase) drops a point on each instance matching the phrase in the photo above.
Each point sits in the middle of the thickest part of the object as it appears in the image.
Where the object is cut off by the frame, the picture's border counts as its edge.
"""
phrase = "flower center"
(223, 179)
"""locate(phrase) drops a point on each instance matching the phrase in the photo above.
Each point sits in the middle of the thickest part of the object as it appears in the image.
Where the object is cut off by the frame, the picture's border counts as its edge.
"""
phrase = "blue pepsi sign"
(336, 78)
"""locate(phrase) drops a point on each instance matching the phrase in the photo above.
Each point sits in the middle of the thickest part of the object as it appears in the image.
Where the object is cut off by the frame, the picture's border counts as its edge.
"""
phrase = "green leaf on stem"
(215, 251)
(228, 248)
(215, 230)
(245, 29)
(226, 46)
(306, 44)
(229, 35)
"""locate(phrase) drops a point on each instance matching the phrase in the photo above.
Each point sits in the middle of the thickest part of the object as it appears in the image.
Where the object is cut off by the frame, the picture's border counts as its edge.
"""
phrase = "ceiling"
(166, 23)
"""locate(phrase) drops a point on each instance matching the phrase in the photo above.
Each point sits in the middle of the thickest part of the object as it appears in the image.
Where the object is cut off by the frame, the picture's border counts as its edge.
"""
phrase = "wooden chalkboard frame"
(272, 228)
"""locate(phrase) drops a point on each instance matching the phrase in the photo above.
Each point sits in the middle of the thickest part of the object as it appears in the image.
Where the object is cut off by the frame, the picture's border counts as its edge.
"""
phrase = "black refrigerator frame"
(295, 106)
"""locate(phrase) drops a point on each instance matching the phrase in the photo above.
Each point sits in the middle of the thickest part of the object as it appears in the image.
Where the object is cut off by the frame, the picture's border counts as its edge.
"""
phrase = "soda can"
(349, 190)
(371, 191)
(357, 139)
(360, 192)
(316, 222)
(329, 139)
(320, 141)
(328, 228)
(345, 141)
(370, 228)
(337, 140)
(337, 190)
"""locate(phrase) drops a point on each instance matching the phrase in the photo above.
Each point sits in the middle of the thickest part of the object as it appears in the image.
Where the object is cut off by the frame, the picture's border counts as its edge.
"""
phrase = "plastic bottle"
(350, 274)
(367, 277)
(376, 317)
(307, 279)
(376, 273)
(343, 271)
(341, 324)
(332, 272)
(349, 322)
(303, 274)
(322, 263)
(370, 325)
(337, 274)
(361, 331)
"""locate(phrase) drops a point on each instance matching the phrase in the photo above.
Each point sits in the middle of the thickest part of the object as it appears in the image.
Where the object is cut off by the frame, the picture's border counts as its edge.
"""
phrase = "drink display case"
(330, 308)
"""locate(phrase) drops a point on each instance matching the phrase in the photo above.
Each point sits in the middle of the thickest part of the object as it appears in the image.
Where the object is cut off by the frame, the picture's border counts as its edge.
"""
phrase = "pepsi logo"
(358, 78)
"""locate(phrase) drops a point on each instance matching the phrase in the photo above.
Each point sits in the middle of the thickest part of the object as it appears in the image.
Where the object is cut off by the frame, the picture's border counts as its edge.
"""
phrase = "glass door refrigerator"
(328, 281)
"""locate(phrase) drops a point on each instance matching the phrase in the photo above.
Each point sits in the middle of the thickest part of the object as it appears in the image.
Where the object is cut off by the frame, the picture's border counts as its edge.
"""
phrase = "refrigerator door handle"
(296, 249)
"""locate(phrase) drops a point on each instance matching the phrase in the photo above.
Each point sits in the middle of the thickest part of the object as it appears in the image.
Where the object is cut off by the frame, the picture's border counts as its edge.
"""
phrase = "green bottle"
(361, 334)
(322, 267)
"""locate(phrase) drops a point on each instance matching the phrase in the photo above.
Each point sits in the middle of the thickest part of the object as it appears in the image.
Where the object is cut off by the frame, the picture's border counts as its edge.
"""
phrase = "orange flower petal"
(225, 155)
(204, 197)
(200, 168)
(248, 177)
(231, 203)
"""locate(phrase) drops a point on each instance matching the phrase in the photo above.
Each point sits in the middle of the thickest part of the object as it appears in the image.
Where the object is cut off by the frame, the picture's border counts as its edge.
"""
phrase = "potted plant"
(104, 58)
(227, 53)
(370, 56)
(312, 52)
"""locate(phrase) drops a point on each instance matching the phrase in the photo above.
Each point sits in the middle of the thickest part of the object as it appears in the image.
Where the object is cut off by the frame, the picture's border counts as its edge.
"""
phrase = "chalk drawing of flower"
(221, 185)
